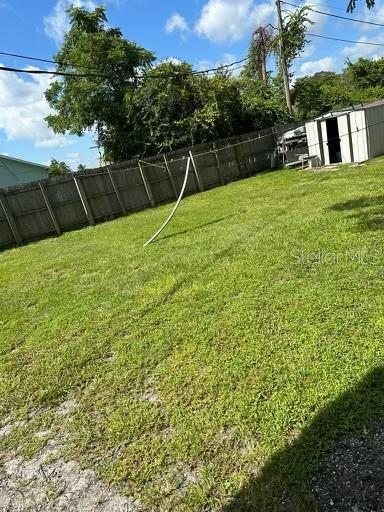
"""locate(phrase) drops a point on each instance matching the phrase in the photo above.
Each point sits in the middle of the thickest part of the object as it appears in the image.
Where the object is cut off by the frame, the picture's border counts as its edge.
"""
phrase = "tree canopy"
(57, 168)
(110, 65)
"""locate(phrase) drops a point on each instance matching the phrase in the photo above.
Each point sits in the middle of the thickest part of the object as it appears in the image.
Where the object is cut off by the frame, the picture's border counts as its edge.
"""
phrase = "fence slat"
(241, 174)
(170, 175)
(84, 200)
(147, 186)
(50, 209)
(117, 192)
(198, 178)
(10, 220)
(221, 177)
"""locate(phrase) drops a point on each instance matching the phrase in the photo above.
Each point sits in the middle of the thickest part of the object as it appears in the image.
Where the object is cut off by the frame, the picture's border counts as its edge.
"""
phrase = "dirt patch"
(149, 393)
(351, 475)
(66, 408)
(49, 483)
(9, 427)
(46, 484)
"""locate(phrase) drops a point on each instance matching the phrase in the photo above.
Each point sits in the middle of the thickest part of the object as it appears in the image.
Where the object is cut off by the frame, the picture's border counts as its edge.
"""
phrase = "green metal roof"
(14, 171)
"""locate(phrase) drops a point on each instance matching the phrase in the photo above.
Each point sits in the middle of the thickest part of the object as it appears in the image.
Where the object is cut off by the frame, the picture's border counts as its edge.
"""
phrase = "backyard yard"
(210, 371)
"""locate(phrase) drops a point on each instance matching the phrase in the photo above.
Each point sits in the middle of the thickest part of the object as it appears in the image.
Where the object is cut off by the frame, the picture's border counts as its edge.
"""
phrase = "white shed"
(351, 135)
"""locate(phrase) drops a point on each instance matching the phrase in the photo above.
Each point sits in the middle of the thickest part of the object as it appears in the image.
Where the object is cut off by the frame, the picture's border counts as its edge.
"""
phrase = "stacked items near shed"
(292, 147)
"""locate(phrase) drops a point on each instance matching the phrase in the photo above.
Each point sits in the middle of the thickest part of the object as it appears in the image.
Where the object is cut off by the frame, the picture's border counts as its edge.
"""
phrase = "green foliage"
(57, 168)
(81, 168)
(261, 46)
(263, 103)
(95, 102)
(183, 111)
(294, 34)
(365, 73)
(172, 113)
(265, 43)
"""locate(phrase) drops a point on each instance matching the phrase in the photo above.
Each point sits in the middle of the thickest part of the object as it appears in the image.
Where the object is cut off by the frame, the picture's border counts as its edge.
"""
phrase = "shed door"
(331, 140)
(345, 139)
(314, 139)
(325, 142)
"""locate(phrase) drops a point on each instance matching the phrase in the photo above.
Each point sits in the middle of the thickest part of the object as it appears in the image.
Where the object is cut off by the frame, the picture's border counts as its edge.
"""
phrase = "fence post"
(198, 178)
(221, 177)
(117, 192)
(147, 186)
(50, 209)
(173, 184)
(84, 200)
(10, 220)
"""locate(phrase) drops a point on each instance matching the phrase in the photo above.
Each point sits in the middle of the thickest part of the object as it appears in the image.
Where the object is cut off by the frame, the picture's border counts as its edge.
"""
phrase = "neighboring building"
(14, 171)
(350, 135)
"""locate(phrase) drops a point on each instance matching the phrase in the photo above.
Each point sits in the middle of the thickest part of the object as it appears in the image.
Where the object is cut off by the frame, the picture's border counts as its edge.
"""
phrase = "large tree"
(110, 65)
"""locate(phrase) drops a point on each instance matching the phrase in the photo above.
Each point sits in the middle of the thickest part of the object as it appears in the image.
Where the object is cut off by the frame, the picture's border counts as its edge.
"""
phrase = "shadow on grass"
(361, 202)
(371, 214)
(283, 483)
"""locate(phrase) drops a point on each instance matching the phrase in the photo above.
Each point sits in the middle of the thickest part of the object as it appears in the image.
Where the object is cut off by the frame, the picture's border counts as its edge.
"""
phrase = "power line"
(335, 15)
(48, 61)
(370, 43)
(223, 66)
(46, 72)
(60, 73)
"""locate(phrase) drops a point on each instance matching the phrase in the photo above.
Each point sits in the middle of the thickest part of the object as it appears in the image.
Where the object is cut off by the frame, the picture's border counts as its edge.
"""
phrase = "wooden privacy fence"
(37, 210)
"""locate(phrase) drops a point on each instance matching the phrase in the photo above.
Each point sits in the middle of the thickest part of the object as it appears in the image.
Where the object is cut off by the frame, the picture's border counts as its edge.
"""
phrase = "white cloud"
(228, 21)
(314, 66)
(309, 50)
(376, 15)
(57, 141)
(318, 20)
(23, 108)
(171, 60)
(73, 160)
(57, 23)
(355, 51)
(176, 22)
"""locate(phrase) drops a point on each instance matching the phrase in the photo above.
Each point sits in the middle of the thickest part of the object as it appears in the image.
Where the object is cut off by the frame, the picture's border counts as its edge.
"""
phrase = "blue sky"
(203, 32)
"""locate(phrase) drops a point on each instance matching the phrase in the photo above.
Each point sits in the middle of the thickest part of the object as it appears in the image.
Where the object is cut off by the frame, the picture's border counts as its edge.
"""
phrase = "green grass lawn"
(211, 368)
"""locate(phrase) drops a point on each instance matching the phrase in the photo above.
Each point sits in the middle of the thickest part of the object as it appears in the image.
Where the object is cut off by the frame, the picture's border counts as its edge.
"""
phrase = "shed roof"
(352, 108)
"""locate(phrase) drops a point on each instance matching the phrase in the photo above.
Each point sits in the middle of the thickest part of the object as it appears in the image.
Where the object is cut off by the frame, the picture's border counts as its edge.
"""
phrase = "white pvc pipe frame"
(174, 208)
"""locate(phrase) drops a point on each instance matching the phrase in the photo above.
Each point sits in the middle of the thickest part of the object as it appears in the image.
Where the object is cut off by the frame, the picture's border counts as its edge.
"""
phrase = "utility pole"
(283, 63)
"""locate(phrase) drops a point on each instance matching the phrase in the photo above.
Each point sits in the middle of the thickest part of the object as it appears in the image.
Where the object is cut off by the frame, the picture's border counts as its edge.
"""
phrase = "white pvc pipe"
(174, 208)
